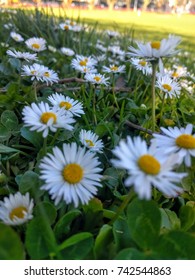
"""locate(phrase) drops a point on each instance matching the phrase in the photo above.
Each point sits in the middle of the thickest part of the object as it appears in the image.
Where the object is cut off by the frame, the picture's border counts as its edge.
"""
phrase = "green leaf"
(29, 182)
(187, 217)
(121, 234)
(49, 211)
(77, 246)
(64, 224)
(15, 63)
(134, 254)
(111, 177)
(4, 133)
(102, 242)
(35, 241)
(169, 219)
(176, 245)
(11, 247)
(9, 120)
(187, 183)
(6, 150)
(144, 220)
(33, 137)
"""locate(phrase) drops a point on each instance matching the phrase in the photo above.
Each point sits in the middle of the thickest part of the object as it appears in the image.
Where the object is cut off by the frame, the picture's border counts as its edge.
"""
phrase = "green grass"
(146, 26)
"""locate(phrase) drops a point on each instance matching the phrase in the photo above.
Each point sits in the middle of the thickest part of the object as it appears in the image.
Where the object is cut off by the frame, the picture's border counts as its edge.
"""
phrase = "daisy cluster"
(72, 172)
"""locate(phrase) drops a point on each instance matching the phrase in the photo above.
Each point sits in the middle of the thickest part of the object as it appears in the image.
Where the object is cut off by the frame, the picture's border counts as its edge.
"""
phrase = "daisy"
(16, 209)
(116, 50)
(177, 140)
(42, 118)
(178, 72)
(147, 167)
(17, 37)
(97, 79)
(51, 49)
(65, 26)
(111, 33)
(67, 51)
(22, 55)
(114, 69)
(68, 104)
(71, 174)
(36, 44)
(83, 61)
(142, 65)
(156, 49)
(90, 140)
(168, 86)
(40, 73)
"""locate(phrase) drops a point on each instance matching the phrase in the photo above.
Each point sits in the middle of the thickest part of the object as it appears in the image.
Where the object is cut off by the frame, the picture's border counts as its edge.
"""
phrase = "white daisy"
(40, 73)
(83, 61)
(142, 65)
(147, 167)
(178, 72)
(16, 209)
(116, 50)
(177, 140)
(67, 51)
(111, 33)
(51, 49)
(168, 86)
(68, 104)
(71, 174)
(156, 49)
(36, 44)
(114, 69)
(90, 140)
(22, 55)
(65, 26)
(41, 117)
(97, 79)
(17, 37)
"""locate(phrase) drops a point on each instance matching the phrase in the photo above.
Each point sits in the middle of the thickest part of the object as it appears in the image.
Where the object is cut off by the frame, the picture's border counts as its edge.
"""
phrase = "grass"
(146, 26)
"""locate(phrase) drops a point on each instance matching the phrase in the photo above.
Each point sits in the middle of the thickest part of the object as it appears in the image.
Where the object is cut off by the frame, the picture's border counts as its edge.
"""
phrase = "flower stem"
(122, 207)
(162, 107)
(154, 68)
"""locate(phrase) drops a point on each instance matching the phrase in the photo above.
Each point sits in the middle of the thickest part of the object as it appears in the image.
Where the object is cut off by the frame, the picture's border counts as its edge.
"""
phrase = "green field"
(146, 26)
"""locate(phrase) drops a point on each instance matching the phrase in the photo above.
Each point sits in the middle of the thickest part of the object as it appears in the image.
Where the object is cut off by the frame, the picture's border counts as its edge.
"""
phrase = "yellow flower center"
(167, 87)
(175, 74)
(114, 68)
(33, 72)
(83, 62)
(72, 173)
(18, 212)
(66, 27)
(90, 143)
(48, 115)
(36, 46)
(186, 141)
(149, 164)
(97, 78)
(155, 45)
(65, 104)
(46, 74)
(142, 63)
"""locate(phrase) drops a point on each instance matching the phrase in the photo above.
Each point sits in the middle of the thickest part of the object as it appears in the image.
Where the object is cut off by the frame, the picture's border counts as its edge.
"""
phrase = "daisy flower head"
(142, 65)
(22, 55)
(16, 37)
(52, 49)
(114, 69)
(147, 167)
(83, 61)
(65, 26)
(96, 79)
(178, 72)
(67, 51)
(156, 49)
(36, 44)
(116, 50)
(41, 118)
(90, 140)
(71, 174)
(170, 87)
(40, 73)
(16, 209)
(177, 140)
(112, 34)
(69, 105)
